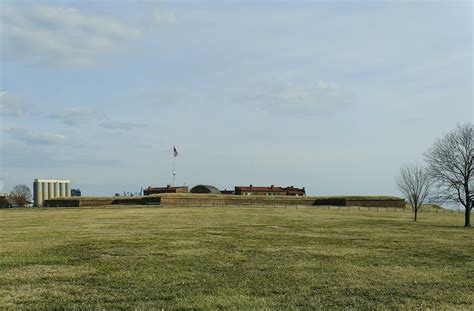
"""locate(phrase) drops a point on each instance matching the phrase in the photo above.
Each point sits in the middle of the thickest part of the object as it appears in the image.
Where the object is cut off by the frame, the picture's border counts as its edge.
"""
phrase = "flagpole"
(174, 174)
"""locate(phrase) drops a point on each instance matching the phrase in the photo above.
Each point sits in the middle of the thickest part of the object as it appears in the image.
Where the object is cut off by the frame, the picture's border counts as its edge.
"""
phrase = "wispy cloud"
(161, 98)
(20, 155)
(76, 115)
(12, 105)
(320, 98)
(60, 35)
(33, 137)
(163, 17)
(118, 125)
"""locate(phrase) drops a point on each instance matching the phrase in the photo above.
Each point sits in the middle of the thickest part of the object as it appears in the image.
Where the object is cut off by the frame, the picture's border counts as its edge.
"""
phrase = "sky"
(334, 96)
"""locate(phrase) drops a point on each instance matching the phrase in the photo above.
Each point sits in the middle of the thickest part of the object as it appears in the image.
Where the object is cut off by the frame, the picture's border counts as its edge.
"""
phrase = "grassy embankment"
(245, 258)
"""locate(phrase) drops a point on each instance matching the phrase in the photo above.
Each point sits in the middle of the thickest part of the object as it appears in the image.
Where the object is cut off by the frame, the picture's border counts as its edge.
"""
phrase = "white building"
(44, 189)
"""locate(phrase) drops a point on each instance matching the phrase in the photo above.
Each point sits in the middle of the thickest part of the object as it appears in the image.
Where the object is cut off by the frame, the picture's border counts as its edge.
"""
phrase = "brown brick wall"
(171, 200)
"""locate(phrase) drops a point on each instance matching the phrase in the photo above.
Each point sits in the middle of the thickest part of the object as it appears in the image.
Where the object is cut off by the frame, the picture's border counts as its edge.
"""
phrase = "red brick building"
(296, 192)
(167, 189)
(252, 190)
(269, 191)
(7, 201)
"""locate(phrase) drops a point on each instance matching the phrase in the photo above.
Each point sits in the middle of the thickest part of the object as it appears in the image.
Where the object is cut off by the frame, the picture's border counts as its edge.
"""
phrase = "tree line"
(447, 176)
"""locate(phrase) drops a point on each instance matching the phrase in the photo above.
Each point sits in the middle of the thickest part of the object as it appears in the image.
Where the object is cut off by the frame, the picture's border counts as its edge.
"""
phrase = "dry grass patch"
(245, 258)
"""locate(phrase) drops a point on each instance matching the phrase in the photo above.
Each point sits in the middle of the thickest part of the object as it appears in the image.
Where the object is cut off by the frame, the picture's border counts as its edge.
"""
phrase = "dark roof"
(208, 188)
(164, 188)
(225, 191)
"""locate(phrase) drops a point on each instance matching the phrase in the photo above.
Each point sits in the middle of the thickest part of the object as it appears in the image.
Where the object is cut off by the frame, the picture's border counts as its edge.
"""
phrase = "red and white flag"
(175, 152)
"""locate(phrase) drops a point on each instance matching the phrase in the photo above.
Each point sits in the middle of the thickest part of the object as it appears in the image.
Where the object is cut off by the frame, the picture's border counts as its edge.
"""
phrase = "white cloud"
(76, 115)
(117, 125)
(163, 17)
(320, 98)
(36, 138)
(11, 105)
(57, 35)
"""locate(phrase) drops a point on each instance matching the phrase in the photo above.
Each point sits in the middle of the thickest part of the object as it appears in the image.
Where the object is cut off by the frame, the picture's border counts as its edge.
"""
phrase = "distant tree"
(21, 195)
(450, 161)
(414, 184)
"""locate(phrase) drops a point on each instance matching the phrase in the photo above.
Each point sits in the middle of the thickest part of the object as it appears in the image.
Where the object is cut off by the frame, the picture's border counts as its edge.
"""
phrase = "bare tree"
(450, 161)
(21, 195)
(413, 182)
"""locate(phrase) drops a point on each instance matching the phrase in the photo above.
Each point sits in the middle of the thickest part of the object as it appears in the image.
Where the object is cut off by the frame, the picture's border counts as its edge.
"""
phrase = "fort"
(197, 200)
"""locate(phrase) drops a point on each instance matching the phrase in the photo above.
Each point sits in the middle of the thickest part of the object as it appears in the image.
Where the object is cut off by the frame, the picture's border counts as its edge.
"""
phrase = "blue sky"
(333, 96)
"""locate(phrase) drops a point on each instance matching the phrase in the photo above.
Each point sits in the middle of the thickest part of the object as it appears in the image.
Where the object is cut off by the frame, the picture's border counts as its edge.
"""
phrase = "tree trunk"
(467, 217)
(416, 213)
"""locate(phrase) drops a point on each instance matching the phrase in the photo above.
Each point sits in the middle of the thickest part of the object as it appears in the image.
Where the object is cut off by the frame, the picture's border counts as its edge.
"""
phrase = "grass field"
(240, 258)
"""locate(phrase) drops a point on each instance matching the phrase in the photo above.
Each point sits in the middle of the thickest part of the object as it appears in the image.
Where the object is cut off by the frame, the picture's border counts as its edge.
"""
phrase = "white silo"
(45, 189)
(68, 189)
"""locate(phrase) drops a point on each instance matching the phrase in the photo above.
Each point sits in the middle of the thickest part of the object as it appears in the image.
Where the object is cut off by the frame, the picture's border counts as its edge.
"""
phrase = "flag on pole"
(175, 152)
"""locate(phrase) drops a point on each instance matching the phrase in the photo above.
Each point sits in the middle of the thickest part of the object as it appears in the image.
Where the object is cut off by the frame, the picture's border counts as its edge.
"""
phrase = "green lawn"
(240, 258)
